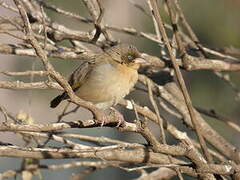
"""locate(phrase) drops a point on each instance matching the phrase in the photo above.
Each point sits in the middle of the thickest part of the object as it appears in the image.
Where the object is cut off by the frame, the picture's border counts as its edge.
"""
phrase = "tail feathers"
(57, 100)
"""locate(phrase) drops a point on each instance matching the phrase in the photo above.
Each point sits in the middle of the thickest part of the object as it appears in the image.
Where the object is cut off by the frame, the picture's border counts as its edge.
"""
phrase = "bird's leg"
(104, 118)
(100, 116)
(118, 116)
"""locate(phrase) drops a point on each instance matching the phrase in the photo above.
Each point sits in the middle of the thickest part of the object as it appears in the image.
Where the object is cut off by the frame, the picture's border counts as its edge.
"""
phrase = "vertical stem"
(179, 75)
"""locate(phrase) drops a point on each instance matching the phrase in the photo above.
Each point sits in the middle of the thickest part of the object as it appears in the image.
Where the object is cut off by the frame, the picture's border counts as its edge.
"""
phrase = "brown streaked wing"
(80, 74)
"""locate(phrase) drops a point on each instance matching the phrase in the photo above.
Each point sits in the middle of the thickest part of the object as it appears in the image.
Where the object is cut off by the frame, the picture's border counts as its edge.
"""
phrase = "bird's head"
(127, 55)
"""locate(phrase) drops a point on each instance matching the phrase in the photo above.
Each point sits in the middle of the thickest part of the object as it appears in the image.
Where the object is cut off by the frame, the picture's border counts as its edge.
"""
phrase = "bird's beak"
(139, 61)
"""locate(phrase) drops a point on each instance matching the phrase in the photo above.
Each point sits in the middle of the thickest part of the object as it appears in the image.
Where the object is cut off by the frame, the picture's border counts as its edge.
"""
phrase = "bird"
(105, 79)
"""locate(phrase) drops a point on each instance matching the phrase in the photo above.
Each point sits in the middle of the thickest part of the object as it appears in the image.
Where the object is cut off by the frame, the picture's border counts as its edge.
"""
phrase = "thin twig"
(160, 122)
(178, 73)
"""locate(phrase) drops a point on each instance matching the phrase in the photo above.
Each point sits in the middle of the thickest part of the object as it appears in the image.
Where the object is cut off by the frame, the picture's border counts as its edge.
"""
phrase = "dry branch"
(40, 36)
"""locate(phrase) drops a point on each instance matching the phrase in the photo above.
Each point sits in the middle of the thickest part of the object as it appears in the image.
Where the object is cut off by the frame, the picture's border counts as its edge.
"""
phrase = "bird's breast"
(108, 83)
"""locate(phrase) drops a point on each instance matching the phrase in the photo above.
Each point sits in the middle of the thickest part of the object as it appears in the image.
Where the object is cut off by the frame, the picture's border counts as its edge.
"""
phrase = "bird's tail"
(57, 100)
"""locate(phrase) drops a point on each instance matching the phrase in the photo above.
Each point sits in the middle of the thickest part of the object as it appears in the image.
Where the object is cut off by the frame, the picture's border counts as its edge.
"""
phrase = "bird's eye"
(130, 57)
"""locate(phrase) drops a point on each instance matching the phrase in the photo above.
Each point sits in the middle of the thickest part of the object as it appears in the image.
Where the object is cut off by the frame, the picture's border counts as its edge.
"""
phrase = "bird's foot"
(100, 118)
(119, 117)
(104, 118)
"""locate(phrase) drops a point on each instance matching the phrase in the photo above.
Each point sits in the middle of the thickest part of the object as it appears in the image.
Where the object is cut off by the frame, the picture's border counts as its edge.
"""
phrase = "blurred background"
(216, 24)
